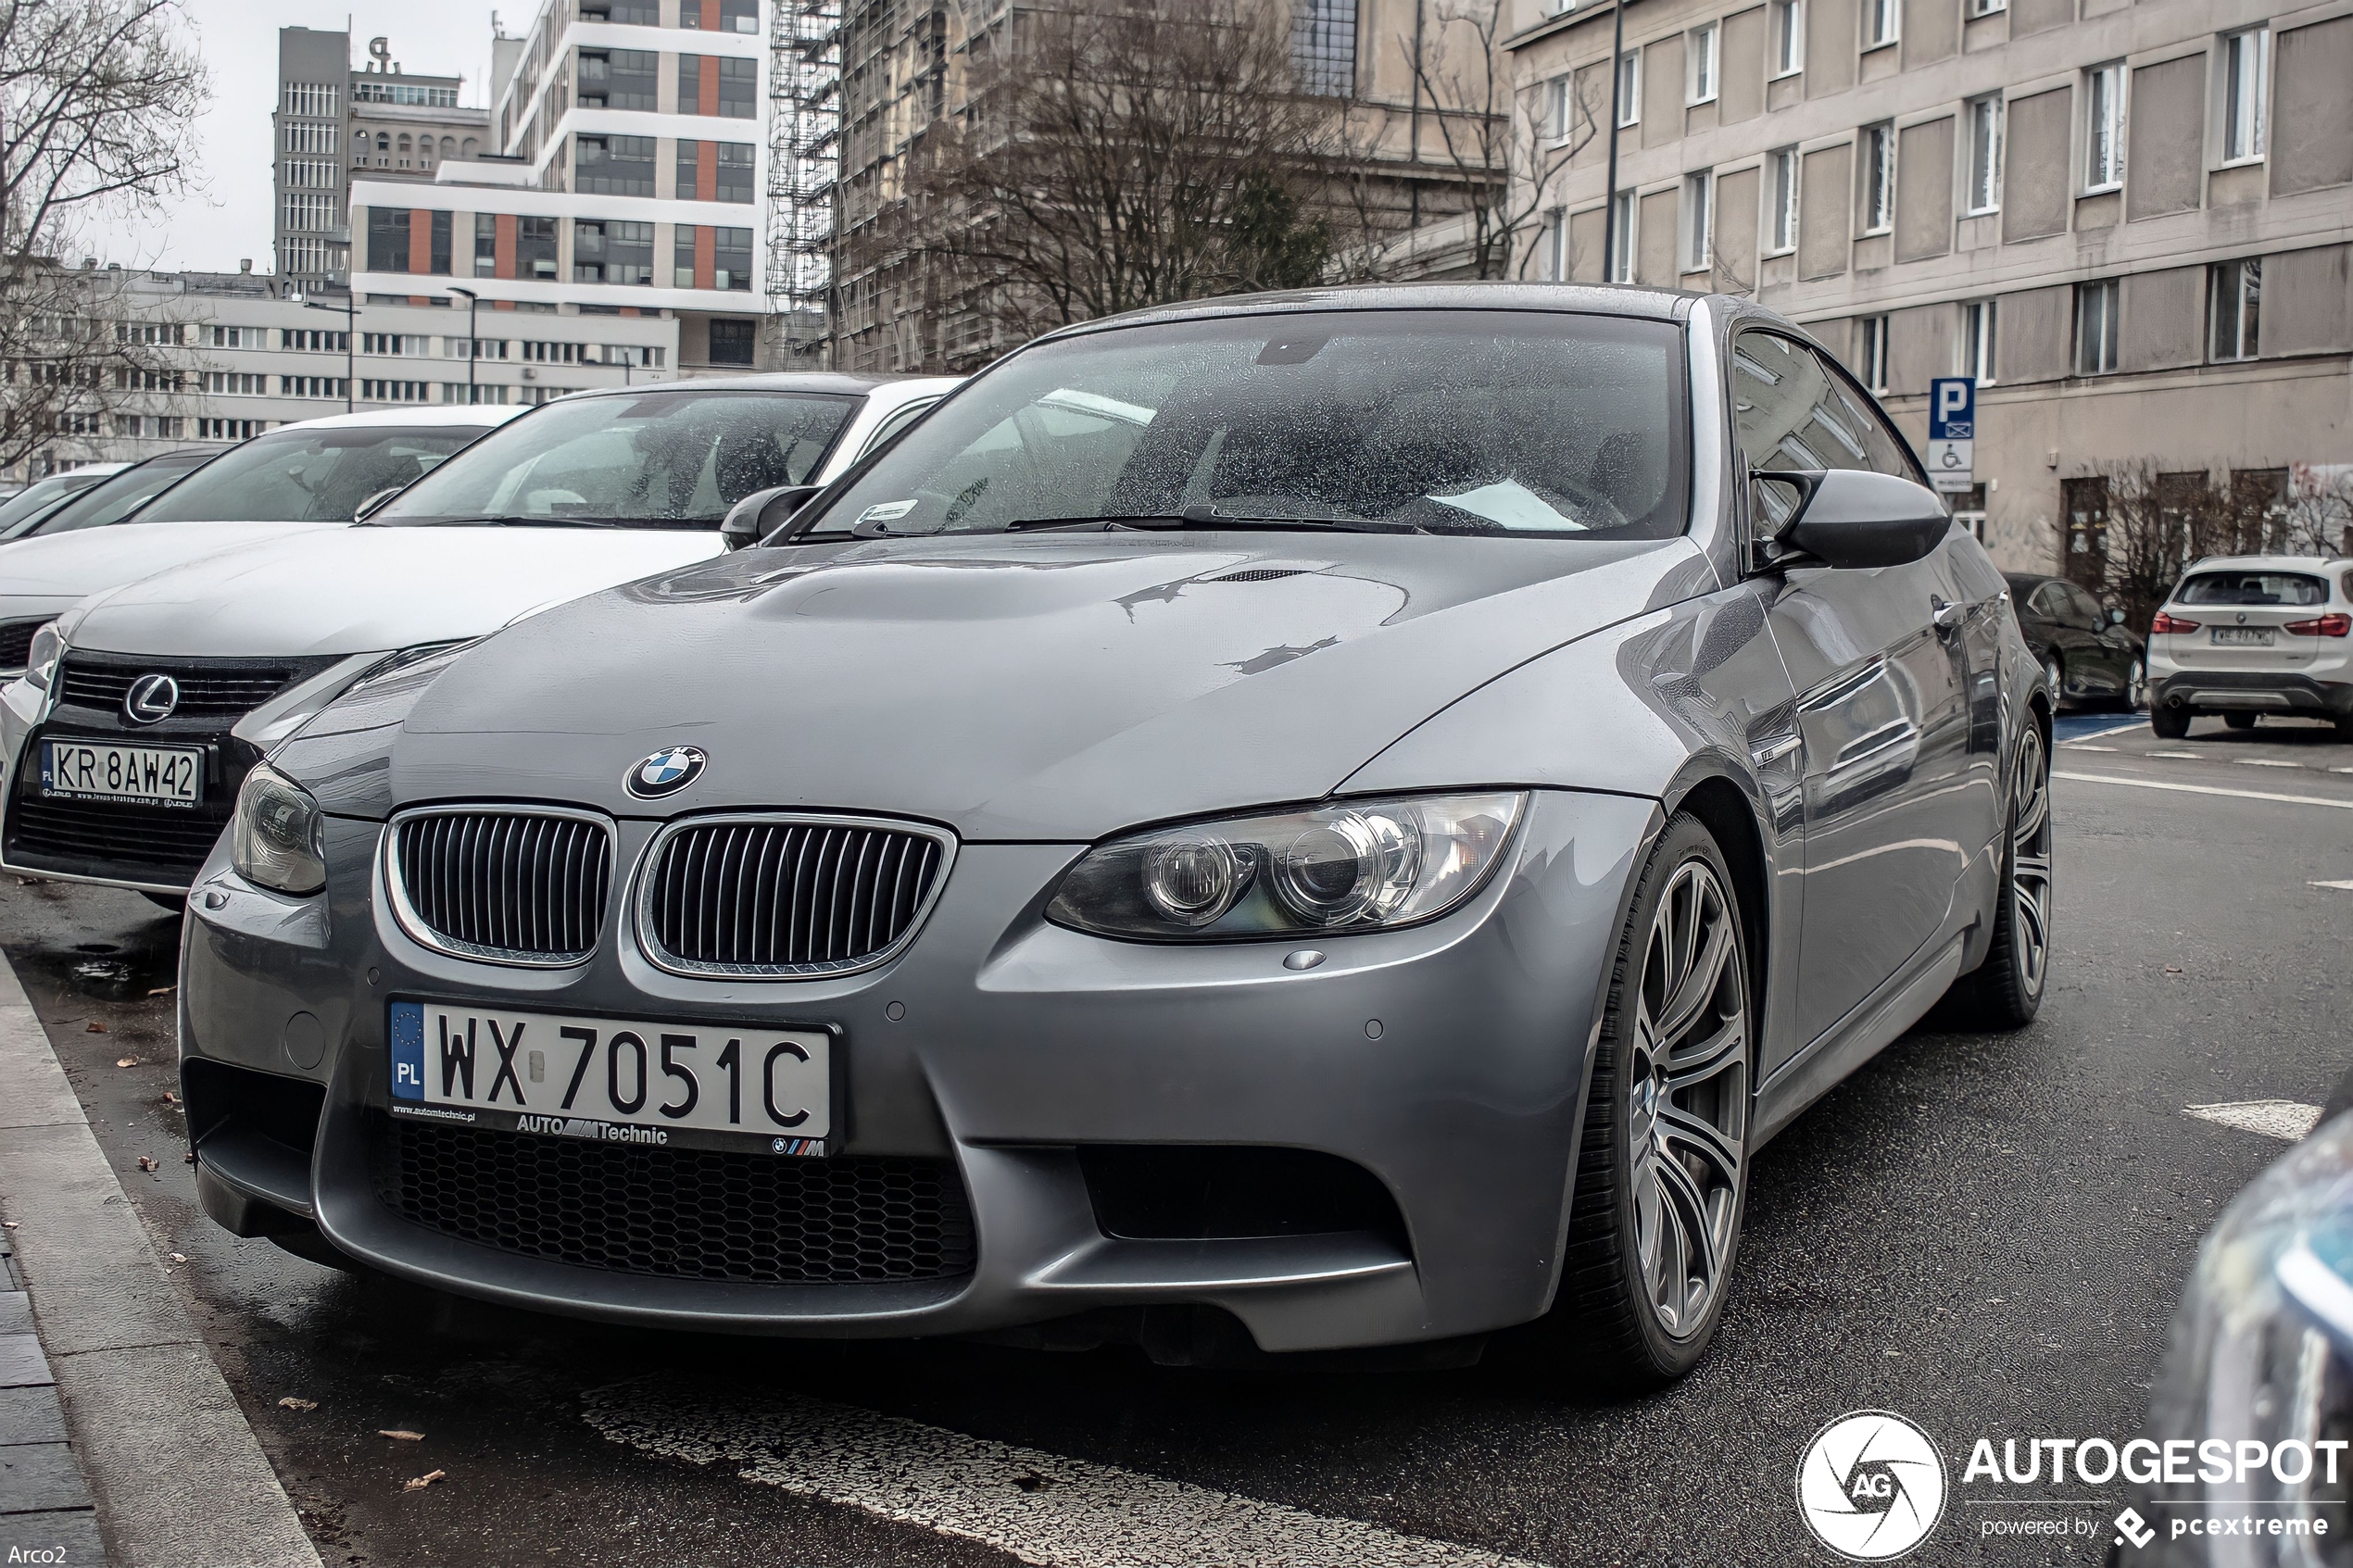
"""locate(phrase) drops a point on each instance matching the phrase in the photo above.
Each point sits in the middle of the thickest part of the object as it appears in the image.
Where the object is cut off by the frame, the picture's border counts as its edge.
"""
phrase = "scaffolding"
(804, 166)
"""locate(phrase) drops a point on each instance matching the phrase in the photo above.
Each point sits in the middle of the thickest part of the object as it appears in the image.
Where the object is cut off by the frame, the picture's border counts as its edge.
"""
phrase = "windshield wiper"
(1206, 516)
(510, 519)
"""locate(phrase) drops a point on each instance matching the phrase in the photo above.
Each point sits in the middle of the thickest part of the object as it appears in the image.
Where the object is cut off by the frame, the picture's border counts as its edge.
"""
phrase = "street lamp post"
(473, 344)
(1609, 209)
(350, 311)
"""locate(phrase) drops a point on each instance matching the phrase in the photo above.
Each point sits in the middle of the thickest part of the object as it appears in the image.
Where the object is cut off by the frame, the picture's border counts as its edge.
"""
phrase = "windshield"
(2253, 589)
(115, 499)
(663, 459)
(41, 496)
(1461, 422)
(316, 475)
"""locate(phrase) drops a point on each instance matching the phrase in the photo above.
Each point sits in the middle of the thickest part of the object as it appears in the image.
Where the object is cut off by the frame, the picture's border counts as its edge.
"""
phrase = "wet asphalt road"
(1984, 1234)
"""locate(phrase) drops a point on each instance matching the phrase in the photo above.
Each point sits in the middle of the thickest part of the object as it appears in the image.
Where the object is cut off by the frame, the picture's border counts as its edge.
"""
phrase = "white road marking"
(2286, 1120)
(2340, 887)
(2207, 789)
(2264, 762)
(2192, 756)
(2078, 746)
(2111, 730)
(1042, 1508)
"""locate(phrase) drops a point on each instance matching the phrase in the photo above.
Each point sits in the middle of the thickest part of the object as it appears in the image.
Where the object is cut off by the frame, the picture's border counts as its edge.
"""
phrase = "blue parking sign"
(1952, 408)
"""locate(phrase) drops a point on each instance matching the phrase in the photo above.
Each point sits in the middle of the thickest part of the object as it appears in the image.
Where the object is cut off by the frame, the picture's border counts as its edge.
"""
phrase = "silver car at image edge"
(1283, 823)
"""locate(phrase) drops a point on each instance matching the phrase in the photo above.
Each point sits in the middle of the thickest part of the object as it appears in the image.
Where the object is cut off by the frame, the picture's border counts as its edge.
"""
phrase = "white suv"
(2246, 635)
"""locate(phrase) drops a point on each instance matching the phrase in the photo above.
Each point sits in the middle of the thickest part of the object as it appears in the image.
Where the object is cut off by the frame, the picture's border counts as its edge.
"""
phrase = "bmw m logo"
(665, 773)
(151, 699)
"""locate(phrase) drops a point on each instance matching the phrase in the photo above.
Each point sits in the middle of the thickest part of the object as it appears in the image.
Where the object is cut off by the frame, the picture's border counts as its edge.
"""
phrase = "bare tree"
(96, 102)
(1124, 155)
(1507, 143)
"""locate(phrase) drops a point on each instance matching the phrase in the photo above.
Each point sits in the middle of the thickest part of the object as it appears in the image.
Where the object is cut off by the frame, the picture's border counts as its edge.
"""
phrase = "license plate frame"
(83, 773)
(2243, 638)
(568, 1088)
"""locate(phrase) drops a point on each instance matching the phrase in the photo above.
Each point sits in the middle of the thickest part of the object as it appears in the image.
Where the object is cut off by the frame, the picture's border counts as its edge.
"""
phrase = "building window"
(1556, 265)
(614, 166)
(1780, 220)
(736, 167)
(439, 262)
(2096, 328)
(1879, 26)
(1323, 48)
(536, 248)
(240, 337)
(2085, 501)
(1870, 351)
(1986, 7)
(1878, 179)
(1699, 218)
(608, 252)
(735, 16)
(230, 429)
(731, 342)
(632, 13)
(618, 79)
(2234, 308)
(732, 258)
(2104, 128)
(395, 391)
(1699, 60)
(1976, 341)
(1556, 107)
(387, 239)
(235, 383)
(312, 386)
(1985, 153)
(739, 89)
(1789, 37)
(314, 100)
(1621, 263)
(308, 340)
(1629, 88)
(2245, 84)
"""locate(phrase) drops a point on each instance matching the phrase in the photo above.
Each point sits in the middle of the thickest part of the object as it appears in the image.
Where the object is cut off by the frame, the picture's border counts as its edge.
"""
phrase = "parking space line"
(2264, 762)
(2206, 789)
(1040, 1507)
(2190, 755)
(2111, 730)
(2340, 887)
(2286, 1120)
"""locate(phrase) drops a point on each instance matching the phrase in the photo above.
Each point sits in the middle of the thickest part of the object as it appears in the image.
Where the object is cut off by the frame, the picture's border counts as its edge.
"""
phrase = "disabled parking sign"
(1952, 432)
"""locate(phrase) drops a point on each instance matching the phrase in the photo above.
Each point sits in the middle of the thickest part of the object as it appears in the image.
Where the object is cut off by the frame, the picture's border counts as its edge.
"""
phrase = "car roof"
(839, 383)
(1603, 299)
(484, 414)
(2267, 563)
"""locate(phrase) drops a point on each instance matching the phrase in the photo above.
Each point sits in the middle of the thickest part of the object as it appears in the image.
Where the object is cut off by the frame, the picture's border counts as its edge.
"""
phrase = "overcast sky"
(227, 216)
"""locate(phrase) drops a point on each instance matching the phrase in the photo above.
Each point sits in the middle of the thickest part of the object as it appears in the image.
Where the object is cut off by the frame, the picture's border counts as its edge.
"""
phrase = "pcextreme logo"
(1870, 1486)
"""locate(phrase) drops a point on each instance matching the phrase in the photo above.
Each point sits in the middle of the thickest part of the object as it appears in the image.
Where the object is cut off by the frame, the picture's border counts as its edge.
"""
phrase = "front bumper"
(1449, 1061)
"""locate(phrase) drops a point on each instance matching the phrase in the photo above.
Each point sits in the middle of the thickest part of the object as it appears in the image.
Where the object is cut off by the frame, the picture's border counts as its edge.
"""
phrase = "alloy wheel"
(2056, 673)
(2136, 688)
(1687, 1098)
(2030, 862)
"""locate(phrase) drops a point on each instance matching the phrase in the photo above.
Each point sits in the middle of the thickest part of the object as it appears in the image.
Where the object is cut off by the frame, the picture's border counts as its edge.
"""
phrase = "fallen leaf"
(146, 1163)
(163, 990)
(178, 1257)
(291, 1403)
(7, 1224)
(418, 1483)
(128, 1062)
(401, 1435)
(189, 1158)
(2171, 970)
(170, 1099)
(93, 1027)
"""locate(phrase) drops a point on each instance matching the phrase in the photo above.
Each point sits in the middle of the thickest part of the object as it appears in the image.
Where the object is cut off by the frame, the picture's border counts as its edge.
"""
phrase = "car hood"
(352, 590)
(90, 561)
(1033, 687)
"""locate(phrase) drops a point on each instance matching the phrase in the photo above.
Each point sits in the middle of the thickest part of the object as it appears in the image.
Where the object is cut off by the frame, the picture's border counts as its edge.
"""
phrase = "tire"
(176, 902)
(2006, 991)
(2055, 672)
(2239, 721)
(2171, 723)
(1663, 1170)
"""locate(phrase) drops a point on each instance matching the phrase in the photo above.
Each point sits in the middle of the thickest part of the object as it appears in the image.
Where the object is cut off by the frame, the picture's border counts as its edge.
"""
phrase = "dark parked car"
(2088, 654)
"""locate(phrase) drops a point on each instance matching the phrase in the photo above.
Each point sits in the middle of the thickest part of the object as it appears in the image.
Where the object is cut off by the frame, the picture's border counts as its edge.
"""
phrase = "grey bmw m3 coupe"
(1303, 822)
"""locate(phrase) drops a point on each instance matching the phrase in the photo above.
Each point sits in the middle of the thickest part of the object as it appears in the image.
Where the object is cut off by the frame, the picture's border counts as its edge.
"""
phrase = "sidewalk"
(114, 1421)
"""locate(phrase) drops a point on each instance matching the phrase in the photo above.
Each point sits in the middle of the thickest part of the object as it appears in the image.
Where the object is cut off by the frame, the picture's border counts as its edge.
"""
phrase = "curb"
(175, 1475)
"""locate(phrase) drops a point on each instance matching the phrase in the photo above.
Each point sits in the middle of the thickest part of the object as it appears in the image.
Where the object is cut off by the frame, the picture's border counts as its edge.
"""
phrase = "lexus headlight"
(40, 661)
(1356, 865)
(279, 838)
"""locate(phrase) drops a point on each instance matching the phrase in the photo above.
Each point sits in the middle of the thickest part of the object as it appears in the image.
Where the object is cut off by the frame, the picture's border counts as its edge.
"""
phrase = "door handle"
(1948, 617)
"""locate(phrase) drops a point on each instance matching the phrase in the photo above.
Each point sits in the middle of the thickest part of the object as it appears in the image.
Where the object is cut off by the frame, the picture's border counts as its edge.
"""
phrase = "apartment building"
(233, 354)
(2128, 221)
(627, 182)
(329, 118)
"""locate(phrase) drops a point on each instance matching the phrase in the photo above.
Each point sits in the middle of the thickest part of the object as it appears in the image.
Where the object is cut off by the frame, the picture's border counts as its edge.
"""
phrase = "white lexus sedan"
(309, 475)
(141, 709)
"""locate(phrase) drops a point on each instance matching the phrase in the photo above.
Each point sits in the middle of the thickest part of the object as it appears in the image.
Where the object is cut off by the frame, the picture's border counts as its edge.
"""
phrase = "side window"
(2050, 601)
(1883, 451)
(1777, 386)
(896, 422)
(2087, 613)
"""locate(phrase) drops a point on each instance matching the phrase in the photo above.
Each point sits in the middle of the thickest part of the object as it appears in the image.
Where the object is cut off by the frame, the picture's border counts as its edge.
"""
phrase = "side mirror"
(375, 503)
(762, 512)
(1852, 518)
(2116, 618)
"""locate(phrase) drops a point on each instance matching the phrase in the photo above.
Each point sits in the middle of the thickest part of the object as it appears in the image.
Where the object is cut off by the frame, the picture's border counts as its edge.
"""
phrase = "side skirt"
(1863, 1032)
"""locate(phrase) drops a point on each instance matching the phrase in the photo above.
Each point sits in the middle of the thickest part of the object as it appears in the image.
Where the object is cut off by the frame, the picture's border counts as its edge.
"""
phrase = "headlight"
(40, 662)
(1356, 865)
(279, 837)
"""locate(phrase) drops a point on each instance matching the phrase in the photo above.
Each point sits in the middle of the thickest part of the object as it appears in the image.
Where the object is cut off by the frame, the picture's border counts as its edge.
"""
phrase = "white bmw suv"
(2246, 635)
